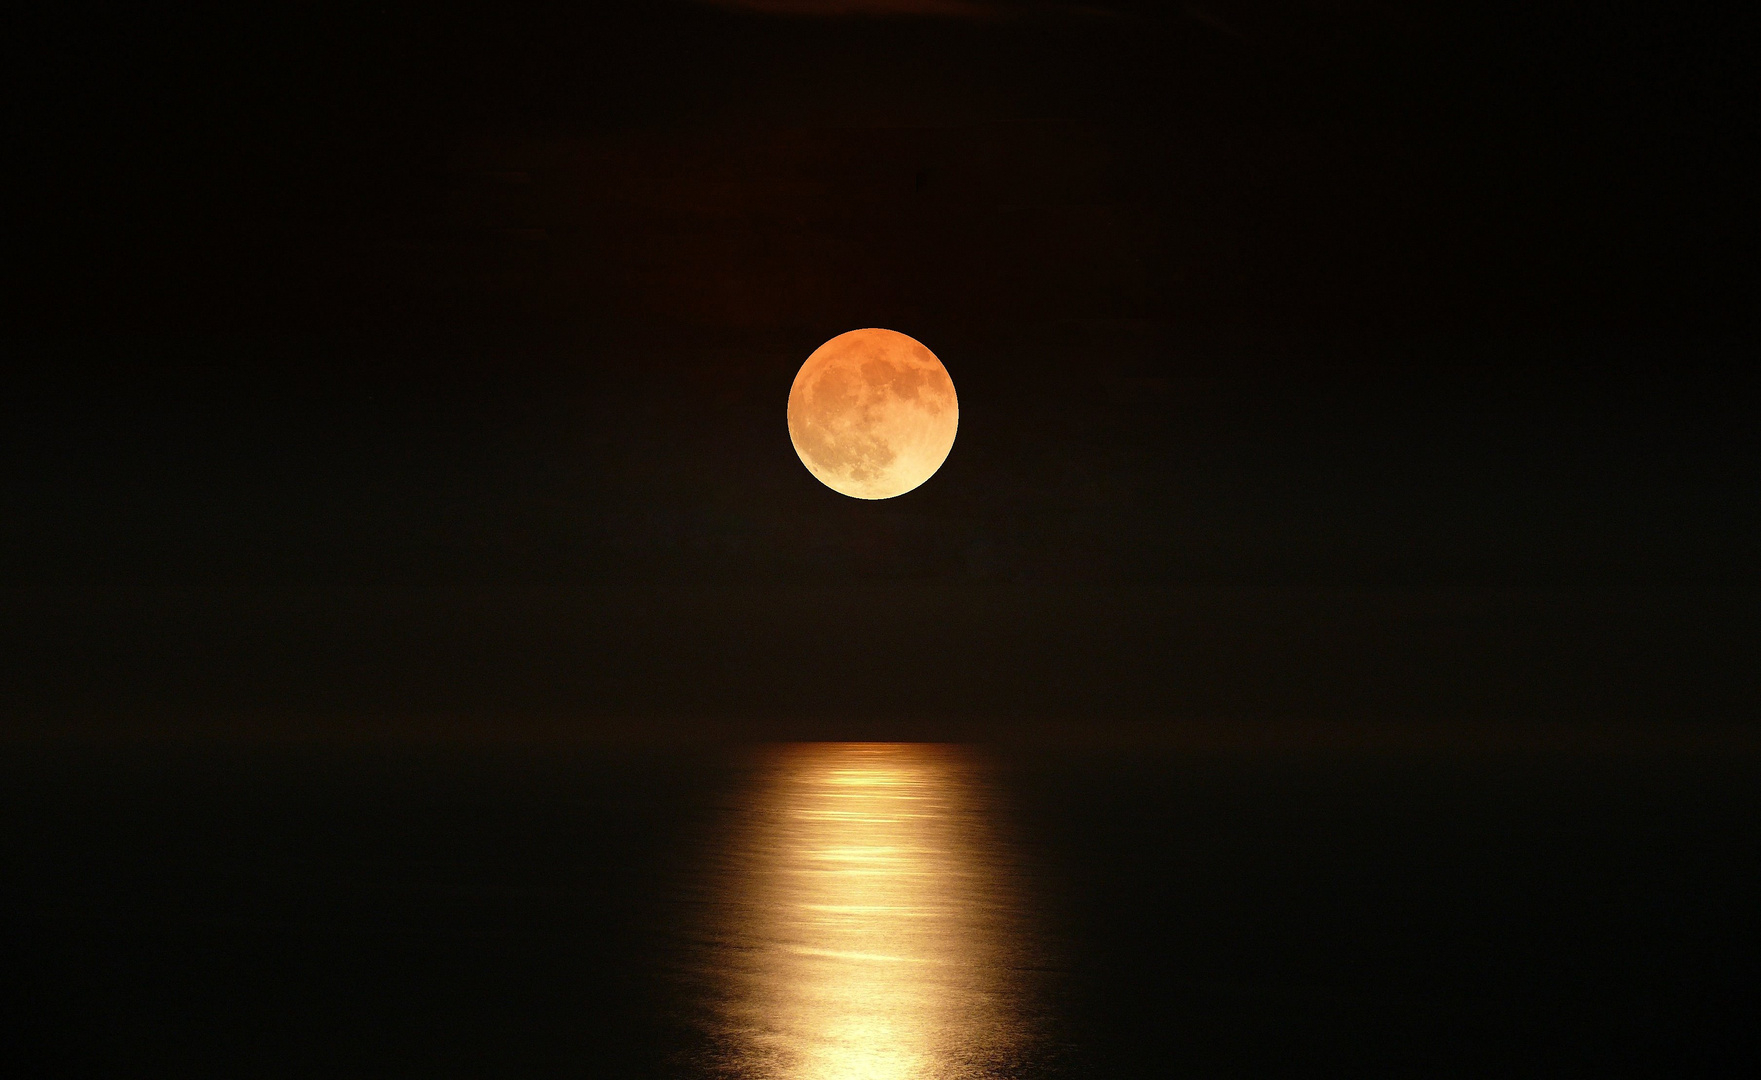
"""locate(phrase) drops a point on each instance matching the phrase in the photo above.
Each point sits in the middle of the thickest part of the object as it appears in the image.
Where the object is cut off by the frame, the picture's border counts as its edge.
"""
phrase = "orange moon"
(873, 414)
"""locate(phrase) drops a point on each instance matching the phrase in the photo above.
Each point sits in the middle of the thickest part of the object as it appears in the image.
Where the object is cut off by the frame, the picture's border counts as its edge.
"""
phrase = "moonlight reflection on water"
(869, 924)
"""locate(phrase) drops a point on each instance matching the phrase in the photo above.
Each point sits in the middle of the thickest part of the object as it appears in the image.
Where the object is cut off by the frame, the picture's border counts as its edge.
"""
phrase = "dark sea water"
(878, 912)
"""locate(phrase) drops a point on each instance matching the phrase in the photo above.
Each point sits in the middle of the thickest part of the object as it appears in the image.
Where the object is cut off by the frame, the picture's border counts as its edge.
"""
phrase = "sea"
(879, 910)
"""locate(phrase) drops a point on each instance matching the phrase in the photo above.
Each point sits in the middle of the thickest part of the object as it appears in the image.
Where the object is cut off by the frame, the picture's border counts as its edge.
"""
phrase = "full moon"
(873, 414)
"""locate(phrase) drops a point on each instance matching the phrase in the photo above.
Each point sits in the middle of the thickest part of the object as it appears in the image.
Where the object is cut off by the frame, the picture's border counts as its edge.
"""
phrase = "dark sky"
(1333, 359)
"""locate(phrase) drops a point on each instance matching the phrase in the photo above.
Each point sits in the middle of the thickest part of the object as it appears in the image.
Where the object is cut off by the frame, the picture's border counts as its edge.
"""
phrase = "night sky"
(1332, 361)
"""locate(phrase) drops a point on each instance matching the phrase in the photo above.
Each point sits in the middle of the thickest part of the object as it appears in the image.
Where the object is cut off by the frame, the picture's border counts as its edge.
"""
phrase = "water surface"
(870, 912)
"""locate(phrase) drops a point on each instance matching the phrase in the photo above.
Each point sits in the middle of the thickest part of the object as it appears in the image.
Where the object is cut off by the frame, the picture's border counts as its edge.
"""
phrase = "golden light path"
(871, 931)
